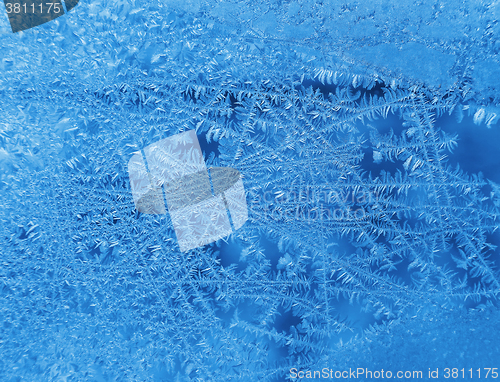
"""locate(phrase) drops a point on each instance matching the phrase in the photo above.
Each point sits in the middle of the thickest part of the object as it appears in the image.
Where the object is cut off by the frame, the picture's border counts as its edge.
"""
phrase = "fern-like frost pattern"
(363, 241)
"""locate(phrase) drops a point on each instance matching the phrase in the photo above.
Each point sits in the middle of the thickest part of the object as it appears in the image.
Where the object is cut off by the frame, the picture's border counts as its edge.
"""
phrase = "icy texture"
(358, 228)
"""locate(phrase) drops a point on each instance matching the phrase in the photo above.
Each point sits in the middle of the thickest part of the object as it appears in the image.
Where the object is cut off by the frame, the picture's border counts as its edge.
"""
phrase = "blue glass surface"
(366, 135)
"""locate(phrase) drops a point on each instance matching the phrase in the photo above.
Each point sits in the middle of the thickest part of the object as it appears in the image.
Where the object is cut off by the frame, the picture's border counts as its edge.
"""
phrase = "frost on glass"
(363, 134)
(176, 167)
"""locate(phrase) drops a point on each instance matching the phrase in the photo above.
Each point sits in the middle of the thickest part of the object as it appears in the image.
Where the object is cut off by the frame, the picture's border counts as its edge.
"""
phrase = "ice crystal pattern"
(357, 223)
